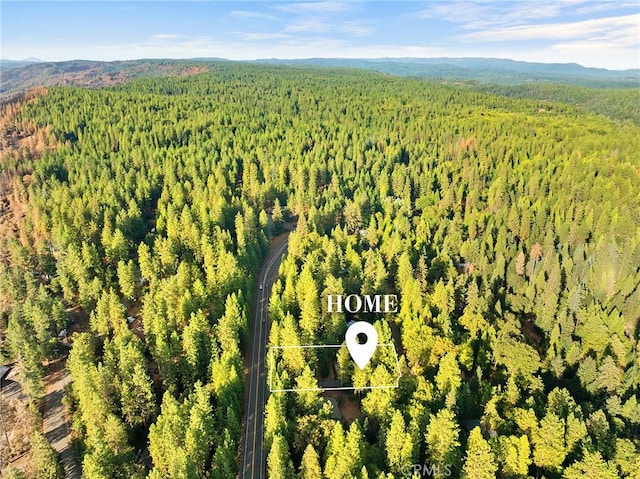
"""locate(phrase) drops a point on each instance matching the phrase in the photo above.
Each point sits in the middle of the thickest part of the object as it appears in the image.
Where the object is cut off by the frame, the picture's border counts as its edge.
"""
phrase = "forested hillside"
(16, 77)
(509, 228)
(499, 71)
(616, 103)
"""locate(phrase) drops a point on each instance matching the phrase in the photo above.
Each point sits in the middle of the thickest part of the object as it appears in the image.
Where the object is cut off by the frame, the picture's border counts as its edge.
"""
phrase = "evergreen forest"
(135, 218)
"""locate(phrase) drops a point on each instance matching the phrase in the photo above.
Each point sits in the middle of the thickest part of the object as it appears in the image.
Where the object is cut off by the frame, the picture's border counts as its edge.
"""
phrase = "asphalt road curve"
(253, 457)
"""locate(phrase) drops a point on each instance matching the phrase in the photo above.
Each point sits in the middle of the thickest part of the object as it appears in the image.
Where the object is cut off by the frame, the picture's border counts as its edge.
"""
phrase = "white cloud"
(476, 14)
(309, 26)
(609, 27)
(271, 46)
(315, 26)
(357, 29)
(482, 14)
(328, 7)
(245, 14)
(165, 37)
(252, 37)
(604, 6)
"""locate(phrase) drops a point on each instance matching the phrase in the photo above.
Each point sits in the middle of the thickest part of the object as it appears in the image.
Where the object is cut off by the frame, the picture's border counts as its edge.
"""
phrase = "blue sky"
(593, 33)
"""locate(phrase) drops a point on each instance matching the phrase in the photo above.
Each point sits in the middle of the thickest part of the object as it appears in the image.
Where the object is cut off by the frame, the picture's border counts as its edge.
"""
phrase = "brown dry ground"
(56, 421)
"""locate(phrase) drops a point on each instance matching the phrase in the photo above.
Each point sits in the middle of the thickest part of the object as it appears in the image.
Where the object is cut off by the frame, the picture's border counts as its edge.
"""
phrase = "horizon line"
(33, 60)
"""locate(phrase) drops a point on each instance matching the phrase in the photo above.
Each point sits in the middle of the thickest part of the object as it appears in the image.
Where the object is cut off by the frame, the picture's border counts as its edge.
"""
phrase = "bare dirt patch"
(79, 320)
(348, 404)
(56, 421)
(194, 70)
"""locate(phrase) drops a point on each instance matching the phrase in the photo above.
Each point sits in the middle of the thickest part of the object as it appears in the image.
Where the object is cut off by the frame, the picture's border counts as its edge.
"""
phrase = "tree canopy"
(509, 229)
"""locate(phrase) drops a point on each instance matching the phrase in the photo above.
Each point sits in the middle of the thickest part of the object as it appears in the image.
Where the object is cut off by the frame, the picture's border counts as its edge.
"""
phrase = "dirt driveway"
(56, 423)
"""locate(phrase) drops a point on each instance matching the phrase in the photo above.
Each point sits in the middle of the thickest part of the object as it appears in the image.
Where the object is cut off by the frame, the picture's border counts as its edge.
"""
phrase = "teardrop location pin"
(361, 351)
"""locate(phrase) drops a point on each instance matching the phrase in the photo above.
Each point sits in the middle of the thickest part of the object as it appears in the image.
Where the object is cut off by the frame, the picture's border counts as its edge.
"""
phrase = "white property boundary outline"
(319, 389)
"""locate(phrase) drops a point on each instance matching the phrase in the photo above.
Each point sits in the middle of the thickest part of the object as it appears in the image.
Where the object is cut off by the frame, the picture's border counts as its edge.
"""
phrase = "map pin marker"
(361, 353)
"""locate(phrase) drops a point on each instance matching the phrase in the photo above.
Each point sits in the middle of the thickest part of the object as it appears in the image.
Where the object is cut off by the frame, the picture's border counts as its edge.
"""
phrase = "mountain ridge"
(19, 76)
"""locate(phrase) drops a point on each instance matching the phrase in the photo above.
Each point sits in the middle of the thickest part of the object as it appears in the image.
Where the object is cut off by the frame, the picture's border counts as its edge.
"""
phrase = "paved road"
(253, 458)
(56, 427)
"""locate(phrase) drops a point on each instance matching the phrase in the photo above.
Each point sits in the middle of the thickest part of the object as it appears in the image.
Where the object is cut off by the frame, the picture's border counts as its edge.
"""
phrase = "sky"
(603, 33)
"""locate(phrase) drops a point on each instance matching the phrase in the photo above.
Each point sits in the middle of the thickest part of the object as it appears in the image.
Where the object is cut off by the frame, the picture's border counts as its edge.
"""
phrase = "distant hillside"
(90, 73)
(9, 64)
(615, 103)
(17, 76)
(485, 70)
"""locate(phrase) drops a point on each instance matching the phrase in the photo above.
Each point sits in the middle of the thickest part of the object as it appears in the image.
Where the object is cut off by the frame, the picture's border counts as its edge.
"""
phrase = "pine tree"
(399, 444)
(334, 469)
(549, 446)
(275, 421)
(448, 377)
(515, 455)
(196, 341)
(232, 325)
(277, 217)
(137, 398)
(310, 465)
(479, 463)
(200, 430)
(148, 265)
(44, 458)
(166, 437)
(128, 278)
(307, 400)
(592, 466)
(224, 460)
(279, 465)
(307, 293)
(443, 445)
